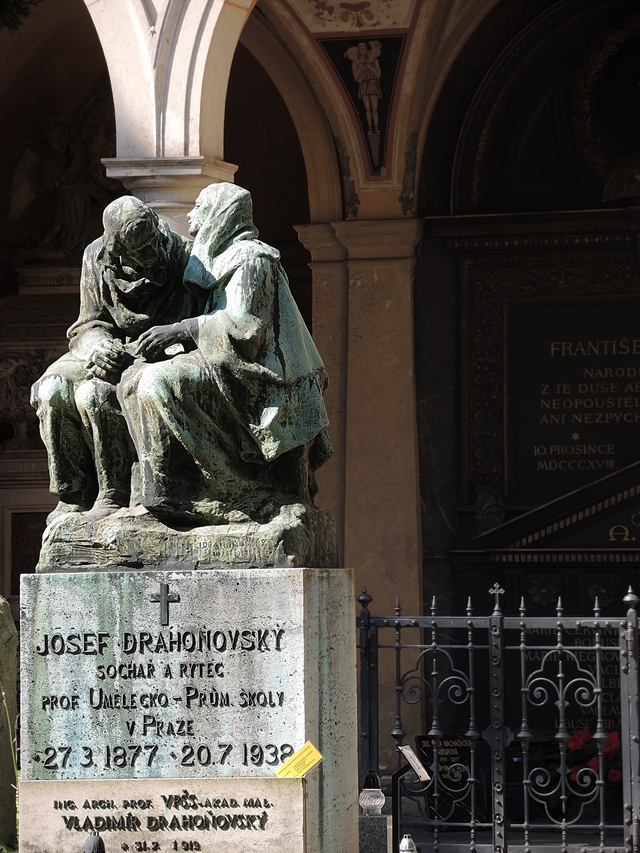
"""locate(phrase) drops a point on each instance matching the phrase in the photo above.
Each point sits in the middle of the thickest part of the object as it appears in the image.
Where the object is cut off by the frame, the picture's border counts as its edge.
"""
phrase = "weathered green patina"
(192, 388)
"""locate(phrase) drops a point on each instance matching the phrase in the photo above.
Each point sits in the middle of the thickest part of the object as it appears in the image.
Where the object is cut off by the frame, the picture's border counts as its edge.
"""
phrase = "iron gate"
(529, 727)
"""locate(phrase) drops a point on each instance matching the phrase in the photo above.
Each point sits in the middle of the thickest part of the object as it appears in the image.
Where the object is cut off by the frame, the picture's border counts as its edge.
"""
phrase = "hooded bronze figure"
(192, 387)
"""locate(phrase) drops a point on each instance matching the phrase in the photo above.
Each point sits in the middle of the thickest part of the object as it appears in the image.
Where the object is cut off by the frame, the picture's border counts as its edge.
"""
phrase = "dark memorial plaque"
(454, 764)
(572, 393)
(454, 754)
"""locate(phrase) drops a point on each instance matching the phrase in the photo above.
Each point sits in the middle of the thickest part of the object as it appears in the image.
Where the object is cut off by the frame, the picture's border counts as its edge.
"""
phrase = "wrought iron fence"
(528, 727)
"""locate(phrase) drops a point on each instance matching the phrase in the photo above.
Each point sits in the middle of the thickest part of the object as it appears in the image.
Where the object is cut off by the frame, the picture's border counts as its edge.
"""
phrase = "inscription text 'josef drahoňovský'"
(167, 683)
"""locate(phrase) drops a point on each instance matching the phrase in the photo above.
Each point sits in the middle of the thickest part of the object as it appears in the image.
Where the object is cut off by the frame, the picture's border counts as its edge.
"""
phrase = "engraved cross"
(164, 597)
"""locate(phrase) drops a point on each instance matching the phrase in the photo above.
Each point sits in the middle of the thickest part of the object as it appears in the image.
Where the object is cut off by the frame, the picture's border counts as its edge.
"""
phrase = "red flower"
(614, 775)
(578, 739)
(612, 744)
(594, 764)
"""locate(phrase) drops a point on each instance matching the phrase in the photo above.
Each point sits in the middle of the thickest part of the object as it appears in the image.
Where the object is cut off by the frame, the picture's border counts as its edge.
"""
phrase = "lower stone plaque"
(165, 815)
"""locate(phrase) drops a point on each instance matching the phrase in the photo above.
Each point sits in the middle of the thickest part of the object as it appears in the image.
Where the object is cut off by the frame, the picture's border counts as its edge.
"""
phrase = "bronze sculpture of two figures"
(192, 389)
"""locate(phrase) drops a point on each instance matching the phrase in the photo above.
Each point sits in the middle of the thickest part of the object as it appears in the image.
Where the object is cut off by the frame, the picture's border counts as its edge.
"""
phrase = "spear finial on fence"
(398, 608)
(434, 606)
(631, 599)
(559, 607)
(469, 607)
(523, 609)
(596, 607)
(496, 590)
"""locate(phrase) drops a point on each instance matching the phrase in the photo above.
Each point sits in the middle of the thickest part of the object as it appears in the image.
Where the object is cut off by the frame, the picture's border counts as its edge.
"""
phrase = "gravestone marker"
(454, 755)
(204, 675)
(8, 676)
(453, 768)
(169, 815)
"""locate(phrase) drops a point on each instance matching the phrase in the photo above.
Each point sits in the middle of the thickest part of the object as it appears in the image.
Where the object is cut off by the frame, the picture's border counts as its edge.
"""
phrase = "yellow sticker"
(300, 762)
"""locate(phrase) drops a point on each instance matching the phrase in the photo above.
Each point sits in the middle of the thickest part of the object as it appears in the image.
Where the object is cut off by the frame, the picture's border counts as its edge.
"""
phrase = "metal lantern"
(407, 845)
(371, 798)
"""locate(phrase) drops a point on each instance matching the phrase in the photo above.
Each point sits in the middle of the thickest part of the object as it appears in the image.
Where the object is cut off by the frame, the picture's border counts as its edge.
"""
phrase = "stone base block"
(176, 679)
(299, 536)
(375, 834)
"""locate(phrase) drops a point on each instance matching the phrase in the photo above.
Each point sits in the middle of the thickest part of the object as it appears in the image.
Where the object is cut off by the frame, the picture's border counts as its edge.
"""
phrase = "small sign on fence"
(415, 763)
(453, 753)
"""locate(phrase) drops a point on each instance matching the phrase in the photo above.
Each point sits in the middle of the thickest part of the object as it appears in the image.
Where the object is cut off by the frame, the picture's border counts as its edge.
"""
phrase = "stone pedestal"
(139, 687)
(8, 709)
(376, 834)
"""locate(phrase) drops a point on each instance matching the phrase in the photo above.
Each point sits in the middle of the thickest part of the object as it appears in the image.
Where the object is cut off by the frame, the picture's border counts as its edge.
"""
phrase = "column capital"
(169, 185)
(379, 239)
(321, 241)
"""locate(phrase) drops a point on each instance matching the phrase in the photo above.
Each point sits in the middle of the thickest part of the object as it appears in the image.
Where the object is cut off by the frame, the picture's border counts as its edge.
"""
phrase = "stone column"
(8, 676)
(363, 324)
(330, 330)
(383, 541)
(382, 496)
(169, 185)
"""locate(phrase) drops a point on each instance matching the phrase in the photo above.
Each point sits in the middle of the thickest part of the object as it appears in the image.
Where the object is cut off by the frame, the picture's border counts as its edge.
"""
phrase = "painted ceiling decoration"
(320, 16)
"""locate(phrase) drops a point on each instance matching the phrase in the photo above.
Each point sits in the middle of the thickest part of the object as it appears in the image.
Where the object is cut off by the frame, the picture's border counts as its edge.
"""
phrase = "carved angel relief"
(18, 372)
(66, 161)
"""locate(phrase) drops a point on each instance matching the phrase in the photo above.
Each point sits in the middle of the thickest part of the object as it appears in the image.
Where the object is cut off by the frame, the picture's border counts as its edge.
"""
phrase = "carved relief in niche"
(368, 70)
(18, 372)
(66, 162)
